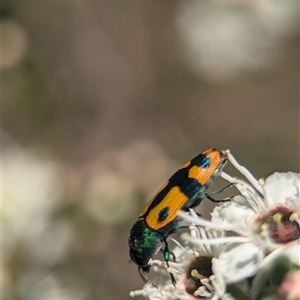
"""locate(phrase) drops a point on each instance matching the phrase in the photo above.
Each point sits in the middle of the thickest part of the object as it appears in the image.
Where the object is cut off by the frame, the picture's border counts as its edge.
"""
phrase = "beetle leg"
(209, 196)
(218, 201)
(222, 189)
(167, 257)
(170, 252)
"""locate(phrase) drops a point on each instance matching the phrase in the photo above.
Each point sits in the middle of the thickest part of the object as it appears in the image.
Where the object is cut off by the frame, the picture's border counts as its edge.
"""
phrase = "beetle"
(184, 190)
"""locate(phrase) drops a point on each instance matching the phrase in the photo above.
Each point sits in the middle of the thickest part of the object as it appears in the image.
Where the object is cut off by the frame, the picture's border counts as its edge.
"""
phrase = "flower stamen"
(280, 228)
(294, 218)
(245, 172)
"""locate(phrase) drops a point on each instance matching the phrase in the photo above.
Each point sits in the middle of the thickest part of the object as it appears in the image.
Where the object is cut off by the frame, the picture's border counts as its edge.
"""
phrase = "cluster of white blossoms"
(236, 255)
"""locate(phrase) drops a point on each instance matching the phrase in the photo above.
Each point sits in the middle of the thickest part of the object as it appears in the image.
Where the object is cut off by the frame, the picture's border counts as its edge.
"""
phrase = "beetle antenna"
(145, 277)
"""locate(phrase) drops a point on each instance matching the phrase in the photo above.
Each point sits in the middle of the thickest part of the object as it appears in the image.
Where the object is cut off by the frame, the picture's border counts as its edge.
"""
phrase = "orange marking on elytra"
(175, 199)
(202, 175)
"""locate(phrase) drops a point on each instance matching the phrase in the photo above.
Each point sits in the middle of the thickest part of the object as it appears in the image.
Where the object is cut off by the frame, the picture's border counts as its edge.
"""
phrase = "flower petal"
(282, 187)
(237, 212)
(240, 262)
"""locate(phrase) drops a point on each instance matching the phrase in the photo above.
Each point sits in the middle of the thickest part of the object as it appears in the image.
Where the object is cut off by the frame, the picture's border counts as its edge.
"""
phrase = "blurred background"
(103, 100)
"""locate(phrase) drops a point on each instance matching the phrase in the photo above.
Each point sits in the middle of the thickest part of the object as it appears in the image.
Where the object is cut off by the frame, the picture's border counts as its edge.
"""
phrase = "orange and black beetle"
(185, 189)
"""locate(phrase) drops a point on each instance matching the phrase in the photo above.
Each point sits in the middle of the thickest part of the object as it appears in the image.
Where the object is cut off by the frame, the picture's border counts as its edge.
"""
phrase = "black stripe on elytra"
(201, 160)
(187, 185)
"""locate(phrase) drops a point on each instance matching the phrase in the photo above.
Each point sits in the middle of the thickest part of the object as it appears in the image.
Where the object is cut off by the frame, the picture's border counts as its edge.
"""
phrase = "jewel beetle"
(185, 189)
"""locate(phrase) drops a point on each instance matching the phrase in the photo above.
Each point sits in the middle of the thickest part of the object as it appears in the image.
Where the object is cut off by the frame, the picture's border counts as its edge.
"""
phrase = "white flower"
(244, 236)
(269, 217)
(206, 268)
(264, 219)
